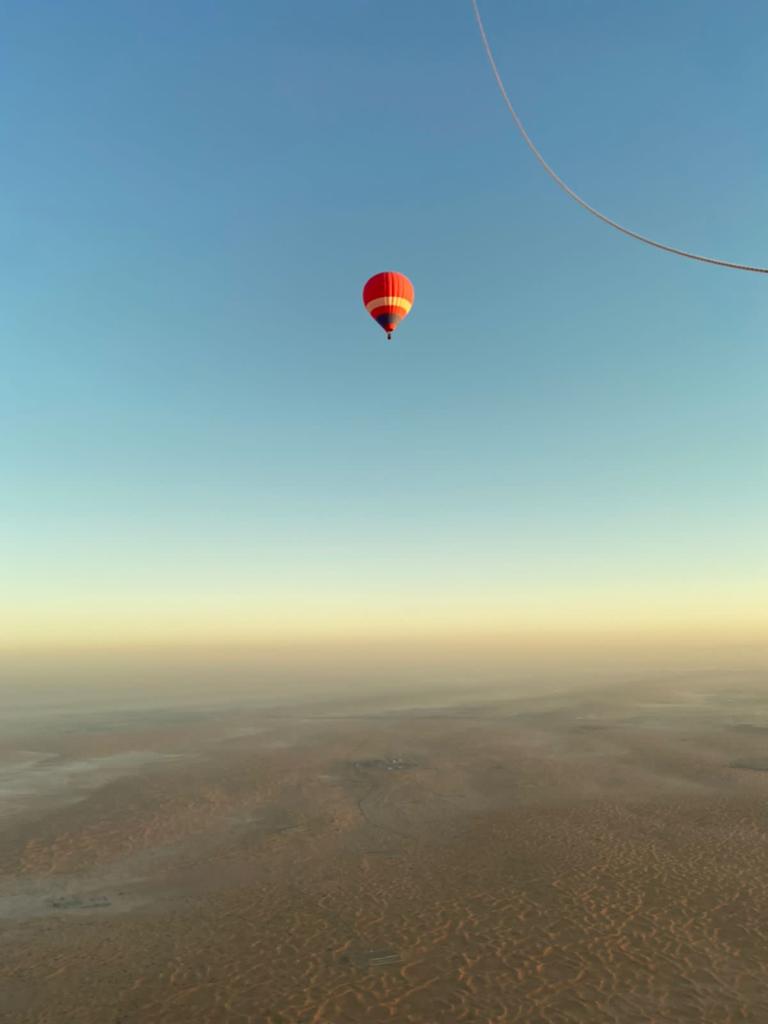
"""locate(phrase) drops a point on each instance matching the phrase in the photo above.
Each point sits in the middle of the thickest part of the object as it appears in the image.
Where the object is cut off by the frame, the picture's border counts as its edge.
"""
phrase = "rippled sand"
(597, 858)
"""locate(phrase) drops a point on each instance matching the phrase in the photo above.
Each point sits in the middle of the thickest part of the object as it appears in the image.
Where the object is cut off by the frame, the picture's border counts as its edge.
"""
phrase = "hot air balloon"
(388, 297)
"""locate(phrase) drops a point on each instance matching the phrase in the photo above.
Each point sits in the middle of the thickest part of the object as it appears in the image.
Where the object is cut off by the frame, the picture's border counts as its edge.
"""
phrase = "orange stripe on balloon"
(396, 302)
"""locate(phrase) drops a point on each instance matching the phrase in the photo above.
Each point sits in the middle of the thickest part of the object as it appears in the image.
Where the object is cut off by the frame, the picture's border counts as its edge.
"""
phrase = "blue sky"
(199, 421)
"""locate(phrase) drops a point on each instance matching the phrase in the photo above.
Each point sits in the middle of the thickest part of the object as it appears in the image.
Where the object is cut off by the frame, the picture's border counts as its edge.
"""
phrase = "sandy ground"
(597, 857)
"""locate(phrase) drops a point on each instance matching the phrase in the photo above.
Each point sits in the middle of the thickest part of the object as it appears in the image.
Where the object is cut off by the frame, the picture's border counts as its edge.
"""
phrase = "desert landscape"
(578, 858)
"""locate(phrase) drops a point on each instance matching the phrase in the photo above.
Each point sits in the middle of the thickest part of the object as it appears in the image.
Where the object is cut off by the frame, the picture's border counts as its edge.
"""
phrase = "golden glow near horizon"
(221, 616)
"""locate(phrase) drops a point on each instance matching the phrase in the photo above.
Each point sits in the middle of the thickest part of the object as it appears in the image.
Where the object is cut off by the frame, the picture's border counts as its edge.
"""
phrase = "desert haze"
(591, 857)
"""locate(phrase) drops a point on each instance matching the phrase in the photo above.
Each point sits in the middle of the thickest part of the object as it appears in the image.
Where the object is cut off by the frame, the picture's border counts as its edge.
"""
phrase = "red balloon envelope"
(388, 297)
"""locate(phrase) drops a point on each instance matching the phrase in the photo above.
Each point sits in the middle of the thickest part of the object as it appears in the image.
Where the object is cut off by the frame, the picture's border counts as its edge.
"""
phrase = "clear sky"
(203, 435)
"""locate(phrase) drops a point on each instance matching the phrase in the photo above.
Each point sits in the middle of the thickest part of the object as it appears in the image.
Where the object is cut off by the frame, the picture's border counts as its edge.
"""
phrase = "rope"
(569, 191)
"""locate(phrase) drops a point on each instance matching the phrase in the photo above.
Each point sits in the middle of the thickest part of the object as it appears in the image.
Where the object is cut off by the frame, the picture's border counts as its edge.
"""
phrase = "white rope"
(569, 191)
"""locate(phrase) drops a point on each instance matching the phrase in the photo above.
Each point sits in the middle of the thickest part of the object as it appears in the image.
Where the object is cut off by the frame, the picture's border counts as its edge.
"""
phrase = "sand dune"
(595, 859)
